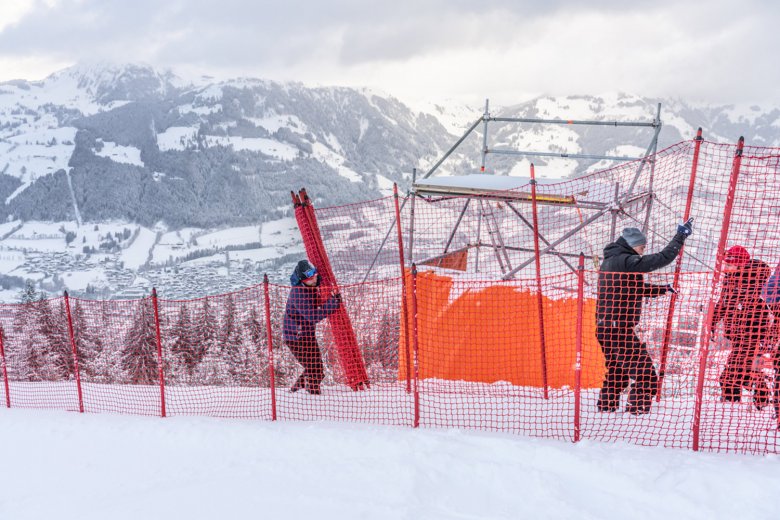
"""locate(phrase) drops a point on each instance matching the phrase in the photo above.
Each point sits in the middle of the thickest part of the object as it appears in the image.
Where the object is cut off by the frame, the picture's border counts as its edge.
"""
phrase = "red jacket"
(746, 317)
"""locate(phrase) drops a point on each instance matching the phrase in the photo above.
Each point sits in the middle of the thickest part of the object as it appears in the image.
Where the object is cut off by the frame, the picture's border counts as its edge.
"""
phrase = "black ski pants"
(626, 358)
(307, 353)
(738, 372)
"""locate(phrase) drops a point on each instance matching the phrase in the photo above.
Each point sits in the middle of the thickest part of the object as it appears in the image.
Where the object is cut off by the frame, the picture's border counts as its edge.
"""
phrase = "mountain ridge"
(134, 143)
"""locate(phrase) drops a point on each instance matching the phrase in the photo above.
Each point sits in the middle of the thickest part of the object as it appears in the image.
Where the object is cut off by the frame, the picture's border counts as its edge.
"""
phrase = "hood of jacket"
(618, 247)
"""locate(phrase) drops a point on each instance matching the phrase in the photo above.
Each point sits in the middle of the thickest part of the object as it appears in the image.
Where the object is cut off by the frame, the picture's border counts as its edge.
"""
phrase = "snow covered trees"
(215, 341)
(139, 356)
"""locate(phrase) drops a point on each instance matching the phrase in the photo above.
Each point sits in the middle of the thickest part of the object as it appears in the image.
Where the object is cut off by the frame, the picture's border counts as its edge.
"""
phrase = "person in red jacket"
(746, 320)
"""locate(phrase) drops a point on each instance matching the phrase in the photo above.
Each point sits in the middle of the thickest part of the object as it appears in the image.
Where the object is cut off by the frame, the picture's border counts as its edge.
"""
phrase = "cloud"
(508, 49)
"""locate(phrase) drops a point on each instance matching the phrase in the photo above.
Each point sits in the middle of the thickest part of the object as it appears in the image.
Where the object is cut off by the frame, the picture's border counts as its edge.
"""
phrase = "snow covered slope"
(92, 467)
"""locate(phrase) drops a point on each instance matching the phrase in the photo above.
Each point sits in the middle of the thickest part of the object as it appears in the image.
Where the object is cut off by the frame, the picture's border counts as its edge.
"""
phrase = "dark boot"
(760, 392)
(606, 405)
(730, 394)
(640, 400)
(636, 409)
(299, 384)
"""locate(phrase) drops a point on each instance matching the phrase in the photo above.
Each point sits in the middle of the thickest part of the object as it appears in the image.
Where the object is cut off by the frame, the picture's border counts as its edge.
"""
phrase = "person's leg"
(642, 371)
(752, 376)
(315, 368)
(731, 377)
(760, 390)
(776, 363)
(615, 379)
(299, 352)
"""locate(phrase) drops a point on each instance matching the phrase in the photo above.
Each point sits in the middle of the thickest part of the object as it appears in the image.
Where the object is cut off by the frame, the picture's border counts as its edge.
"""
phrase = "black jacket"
(622, 285)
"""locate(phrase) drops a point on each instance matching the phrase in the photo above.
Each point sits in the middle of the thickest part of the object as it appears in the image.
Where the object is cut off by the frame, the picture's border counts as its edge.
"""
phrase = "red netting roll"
(349, 353)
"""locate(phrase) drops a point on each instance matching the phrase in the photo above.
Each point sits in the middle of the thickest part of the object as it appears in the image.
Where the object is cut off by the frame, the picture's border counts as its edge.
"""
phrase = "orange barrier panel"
(474, 337)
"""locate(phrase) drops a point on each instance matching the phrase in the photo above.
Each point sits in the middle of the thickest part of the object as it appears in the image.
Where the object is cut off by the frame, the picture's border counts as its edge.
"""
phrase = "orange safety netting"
(490, 333)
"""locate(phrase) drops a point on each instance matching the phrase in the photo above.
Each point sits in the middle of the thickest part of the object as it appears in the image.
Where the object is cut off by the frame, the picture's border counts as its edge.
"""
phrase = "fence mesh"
(485, 349)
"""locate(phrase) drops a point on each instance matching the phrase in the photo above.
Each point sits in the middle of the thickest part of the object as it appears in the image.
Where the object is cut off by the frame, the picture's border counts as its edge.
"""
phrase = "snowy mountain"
(109, 172)
(129, 143)
(93, 143)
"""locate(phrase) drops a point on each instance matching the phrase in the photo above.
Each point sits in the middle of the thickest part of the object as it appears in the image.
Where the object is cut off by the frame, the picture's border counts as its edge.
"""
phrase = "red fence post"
(404, 306)
(416, 348)
(675, 283)
(5, 370)
(159, 352)
(578, 362)
(704, 347)
(539, 296)
(270, 346)
(75, 353)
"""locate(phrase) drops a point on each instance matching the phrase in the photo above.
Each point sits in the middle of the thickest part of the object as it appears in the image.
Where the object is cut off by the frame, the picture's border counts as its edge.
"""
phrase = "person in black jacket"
(301, 315)
(746, 323)
(621, 289)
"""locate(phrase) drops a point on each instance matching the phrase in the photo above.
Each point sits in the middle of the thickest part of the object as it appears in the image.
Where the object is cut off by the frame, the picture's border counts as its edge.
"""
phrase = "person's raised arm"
(647, 263)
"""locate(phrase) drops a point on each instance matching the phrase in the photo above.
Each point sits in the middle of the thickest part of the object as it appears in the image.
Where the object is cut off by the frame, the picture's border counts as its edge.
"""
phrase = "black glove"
(337, 298)
(671, 289)
(686, 228)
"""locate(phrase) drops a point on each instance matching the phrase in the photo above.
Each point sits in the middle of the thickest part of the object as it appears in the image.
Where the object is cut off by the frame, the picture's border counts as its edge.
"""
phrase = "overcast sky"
(507, 50)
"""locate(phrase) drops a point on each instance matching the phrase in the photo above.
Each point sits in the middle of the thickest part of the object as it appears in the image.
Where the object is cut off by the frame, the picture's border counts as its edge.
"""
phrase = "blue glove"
(671, 289)
(686, 228)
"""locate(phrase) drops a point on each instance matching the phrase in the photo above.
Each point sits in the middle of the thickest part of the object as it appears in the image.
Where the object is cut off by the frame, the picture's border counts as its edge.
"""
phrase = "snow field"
(84, 466)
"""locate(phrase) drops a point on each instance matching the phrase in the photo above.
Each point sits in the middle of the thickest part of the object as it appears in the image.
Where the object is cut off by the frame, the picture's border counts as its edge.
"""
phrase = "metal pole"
(270, 341)
(572, 122)
(541, 237)
(404, 305)
(484, 135)
(5, 369)
(539, 296)
(455, 229)
(653, 144)
(74, 351)
(495, 237)
(159, 352)
(382, 245)
(578, 362)
(411, 217)
(479, 239)
(678, 268)
(554, 244)
(615, 211)
(416, 349)
(652, 176)
(528, 153)
(704, 347)
(449, 152)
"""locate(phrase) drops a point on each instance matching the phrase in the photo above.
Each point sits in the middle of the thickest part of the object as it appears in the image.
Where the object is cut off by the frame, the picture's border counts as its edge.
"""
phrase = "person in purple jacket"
(301, 316)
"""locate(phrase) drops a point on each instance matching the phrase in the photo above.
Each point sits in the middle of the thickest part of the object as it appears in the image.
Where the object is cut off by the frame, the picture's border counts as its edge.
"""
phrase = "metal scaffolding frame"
(621, 199)
(430, 192)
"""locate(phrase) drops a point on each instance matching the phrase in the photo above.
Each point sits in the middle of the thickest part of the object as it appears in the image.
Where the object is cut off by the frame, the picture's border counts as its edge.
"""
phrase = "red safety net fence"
(495, 327)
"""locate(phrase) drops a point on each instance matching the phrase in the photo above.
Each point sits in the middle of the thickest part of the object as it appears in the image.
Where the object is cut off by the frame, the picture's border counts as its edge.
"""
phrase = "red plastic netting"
(695, 370)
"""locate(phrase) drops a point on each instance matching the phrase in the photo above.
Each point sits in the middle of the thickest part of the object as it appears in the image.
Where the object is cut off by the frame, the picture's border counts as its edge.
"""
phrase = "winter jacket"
(622, 286)
(303, 312)
(746, 316)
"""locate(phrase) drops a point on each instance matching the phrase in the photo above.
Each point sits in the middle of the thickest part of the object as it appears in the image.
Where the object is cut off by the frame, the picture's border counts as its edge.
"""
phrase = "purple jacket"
(302, 313)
